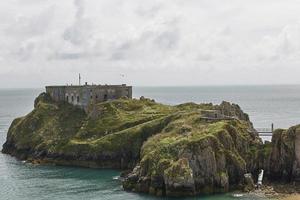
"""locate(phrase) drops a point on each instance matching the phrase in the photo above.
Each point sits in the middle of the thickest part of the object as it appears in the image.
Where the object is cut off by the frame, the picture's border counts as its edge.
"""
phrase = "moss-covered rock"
(191, 155)
(109, 135)
(173, 150)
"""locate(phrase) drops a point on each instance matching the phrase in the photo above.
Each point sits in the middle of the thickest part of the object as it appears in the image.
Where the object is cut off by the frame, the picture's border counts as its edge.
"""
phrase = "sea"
(19, 180)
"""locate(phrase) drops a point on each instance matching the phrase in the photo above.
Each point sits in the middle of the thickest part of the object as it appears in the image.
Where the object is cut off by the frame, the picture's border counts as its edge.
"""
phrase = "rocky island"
(181, 150)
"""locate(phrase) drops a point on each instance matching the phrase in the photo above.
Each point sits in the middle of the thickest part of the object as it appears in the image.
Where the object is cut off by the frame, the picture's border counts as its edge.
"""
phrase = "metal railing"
(265, 131)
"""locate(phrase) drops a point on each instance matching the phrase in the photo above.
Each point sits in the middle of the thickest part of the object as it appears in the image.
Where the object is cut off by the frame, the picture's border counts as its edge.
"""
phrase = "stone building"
(215, 115)
(82, 95)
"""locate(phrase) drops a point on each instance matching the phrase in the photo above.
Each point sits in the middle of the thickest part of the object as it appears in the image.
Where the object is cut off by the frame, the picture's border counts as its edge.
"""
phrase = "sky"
(149, 42)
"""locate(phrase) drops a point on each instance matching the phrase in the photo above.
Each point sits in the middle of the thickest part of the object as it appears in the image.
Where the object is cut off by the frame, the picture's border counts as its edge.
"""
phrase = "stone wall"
(56, 92)
(83, 95)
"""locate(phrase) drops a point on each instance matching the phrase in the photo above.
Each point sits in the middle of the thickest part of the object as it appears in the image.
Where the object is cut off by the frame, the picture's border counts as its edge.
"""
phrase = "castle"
(82, 95)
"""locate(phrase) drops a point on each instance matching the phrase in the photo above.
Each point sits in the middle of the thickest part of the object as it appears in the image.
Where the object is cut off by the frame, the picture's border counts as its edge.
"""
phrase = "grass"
(158, 135)
(167, 142)
(220, 136)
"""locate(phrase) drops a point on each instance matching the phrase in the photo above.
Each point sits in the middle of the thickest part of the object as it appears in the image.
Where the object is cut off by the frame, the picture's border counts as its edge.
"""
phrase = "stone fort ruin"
(82, 95)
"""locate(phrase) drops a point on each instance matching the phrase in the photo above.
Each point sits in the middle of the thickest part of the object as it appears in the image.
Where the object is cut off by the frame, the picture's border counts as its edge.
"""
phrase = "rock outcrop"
(248, 182)
(284, 158)
(191, 155)
(170, 150)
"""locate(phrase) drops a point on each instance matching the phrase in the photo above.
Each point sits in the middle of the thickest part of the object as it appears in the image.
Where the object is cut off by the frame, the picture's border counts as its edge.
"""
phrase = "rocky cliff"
(170, 150)
(284, 159)
(195, 154)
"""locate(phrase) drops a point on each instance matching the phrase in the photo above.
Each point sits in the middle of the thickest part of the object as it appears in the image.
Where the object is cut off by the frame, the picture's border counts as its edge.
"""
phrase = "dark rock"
(214, 162)
(248, 183)
(284, 159)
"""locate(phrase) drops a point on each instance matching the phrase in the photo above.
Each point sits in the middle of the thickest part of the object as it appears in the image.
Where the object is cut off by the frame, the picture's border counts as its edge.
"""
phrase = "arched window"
(77, 99)
(105, 97)
(72, 98)
(67, 98)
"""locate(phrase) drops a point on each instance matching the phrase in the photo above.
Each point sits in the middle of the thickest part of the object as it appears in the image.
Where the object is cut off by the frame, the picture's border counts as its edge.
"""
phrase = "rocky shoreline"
(277, 191)
(182, 150)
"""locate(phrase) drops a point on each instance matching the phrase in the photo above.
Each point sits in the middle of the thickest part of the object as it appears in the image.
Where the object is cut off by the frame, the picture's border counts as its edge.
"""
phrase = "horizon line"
(216, 85)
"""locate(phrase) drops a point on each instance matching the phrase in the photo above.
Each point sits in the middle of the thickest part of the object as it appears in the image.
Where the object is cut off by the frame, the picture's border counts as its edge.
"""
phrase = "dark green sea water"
(23, 181)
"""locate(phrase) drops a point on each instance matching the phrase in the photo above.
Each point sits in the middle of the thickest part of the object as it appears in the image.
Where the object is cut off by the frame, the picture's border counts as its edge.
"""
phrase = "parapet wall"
(83, 95)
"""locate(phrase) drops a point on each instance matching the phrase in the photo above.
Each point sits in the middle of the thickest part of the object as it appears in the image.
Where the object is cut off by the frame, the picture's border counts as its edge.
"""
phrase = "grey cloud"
(205, 57)
(118, 55)
(168, 39)
(149, 11)
(25, 26)
(285, 47)
(80, 31)
(160, 35)
(68, 56)
(24, 52)
(161, 41)
(282, 46)
(80, 8)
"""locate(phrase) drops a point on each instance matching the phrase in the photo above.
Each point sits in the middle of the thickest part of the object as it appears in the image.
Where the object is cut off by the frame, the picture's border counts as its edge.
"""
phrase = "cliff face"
(173, 150)
(194, 155)
(284, 159)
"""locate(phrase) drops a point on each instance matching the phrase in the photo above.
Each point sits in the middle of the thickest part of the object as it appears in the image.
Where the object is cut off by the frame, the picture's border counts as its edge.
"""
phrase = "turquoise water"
(23, 181)
(27, 182)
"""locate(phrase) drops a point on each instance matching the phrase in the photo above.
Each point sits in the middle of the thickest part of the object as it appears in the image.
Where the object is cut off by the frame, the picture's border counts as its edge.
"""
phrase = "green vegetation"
(184, 135)
(169, 145)
(117, 126)
(49, 126)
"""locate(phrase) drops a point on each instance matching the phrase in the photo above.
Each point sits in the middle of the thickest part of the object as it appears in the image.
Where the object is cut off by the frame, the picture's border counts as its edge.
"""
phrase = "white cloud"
(285, 46)
(221, 40)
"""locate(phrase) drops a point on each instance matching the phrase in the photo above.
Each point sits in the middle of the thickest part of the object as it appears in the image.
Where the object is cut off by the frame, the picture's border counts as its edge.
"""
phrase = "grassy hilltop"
(57, 132)
(170, 150)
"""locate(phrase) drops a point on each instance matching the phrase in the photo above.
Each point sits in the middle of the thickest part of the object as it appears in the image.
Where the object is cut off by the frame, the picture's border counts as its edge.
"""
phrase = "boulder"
(248, 182)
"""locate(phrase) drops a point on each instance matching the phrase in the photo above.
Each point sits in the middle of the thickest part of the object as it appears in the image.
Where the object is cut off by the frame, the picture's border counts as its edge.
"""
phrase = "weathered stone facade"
(82, 95)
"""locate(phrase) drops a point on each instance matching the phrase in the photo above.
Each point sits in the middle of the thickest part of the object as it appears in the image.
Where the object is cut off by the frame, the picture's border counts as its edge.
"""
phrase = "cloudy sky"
(149, 42)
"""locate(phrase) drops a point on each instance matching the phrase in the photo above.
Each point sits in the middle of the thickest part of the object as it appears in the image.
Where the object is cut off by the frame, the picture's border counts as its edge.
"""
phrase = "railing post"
(272, 127)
